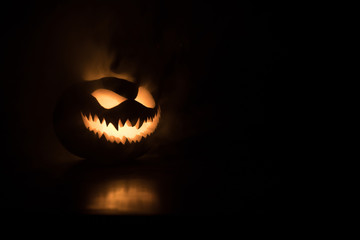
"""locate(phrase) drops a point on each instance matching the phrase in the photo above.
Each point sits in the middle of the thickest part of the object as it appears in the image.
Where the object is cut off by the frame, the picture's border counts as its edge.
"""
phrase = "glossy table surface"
(149, 186)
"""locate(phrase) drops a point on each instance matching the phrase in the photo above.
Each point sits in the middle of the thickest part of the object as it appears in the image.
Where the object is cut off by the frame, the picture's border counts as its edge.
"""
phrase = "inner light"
(107, 99)
(124, 132)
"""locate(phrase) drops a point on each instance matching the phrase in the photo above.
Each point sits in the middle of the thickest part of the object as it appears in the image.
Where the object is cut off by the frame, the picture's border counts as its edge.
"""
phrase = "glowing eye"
(107, 99)
(145, 98)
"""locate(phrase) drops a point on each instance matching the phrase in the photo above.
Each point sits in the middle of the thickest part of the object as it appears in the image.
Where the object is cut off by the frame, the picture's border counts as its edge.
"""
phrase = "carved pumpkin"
(106, 118)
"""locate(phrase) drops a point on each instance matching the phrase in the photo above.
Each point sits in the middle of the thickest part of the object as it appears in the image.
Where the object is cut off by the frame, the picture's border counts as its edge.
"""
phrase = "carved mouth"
(124, 131)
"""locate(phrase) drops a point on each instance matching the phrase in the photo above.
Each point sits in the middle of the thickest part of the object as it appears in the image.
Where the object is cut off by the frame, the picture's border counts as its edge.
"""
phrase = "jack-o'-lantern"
(106, 118)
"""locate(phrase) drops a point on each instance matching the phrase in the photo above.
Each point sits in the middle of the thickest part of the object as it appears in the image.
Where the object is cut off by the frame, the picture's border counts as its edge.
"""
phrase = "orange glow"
(145, 98)
(125, 130)
(98, 66)
(95, 75)
(107, 99)
(125, 196)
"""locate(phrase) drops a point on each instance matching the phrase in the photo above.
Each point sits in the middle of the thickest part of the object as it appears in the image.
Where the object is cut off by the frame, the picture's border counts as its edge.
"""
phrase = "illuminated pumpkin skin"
(80, 100)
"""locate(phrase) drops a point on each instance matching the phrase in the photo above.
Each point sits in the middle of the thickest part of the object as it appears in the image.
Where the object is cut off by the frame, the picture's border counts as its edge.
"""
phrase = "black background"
(211, 64)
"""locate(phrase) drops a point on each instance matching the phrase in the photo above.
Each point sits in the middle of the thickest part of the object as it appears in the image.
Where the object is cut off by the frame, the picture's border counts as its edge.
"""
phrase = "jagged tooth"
(117, 140)
(90, 117)
(141, 123)
(115, 126)
(128, 123)
(112, 128)
(123, 140)
(96, 118)
(137, 125)
(99, 134)
(133, 121)
(138, 138)
(120, 124)
(85, 121)
(106, 136)
(103, 122)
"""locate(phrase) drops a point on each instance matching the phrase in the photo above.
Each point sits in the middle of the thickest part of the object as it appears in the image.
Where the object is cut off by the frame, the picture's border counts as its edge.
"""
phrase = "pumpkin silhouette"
(109, 118)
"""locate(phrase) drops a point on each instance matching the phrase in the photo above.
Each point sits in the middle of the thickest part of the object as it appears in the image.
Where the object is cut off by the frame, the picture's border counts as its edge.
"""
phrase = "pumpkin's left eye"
(107, 99)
